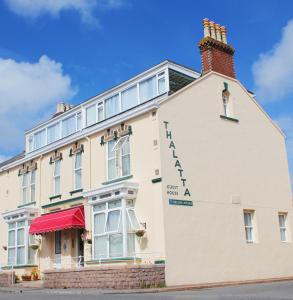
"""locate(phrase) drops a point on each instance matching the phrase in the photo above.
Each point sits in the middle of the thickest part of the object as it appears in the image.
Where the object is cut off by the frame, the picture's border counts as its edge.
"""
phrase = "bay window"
(118, 158)
(114, 225)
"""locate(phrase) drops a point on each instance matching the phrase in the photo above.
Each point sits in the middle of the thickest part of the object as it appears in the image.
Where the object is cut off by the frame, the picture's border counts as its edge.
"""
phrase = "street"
(267, 291)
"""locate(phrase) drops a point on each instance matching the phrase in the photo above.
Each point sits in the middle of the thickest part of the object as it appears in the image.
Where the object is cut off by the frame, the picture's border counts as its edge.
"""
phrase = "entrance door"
(58, 248)
(80, 248)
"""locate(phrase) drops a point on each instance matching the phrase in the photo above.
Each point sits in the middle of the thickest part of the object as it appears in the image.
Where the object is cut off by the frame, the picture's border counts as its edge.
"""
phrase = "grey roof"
(12, 159)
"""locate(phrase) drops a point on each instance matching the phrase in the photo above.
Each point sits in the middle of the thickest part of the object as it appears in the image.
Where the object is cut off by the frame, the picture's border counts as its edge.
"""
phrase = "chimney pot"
(224, 34)
(218, 32)
(212, 29)
(206, 27)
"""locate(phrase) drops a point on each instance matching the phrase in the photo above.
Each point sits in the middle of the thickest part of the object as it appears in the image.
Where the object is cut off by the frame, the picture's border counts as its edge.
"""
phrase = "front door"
(80, 248)
(58, 248)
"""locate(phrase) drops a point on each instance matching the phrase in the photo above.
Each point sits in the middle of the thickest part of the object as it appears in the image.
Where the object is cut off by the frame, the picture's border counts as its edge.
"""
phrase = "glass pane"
(100, 207)
(68, 126)
(78, 121)
(24, 180)
(78, 160)
(116, 245)
(57, 185)
(125, 147)
(24, 195)
(33, 193)
(133, 219)
(99, 223)
(129, 203)
(129, 98)
(130, 244)
(11, 238)
(57, 242)
(91, 115)
(20, 255)
(11, 225)
(100, 112)
(283, 234)
(113, 220)
(20, 224)
(247, 219)
(248, 232)
(57, 168)
(114, 204)
(282, 220)
(40, 139)
(111, 153)
(20, 237)
(31, 256)
(11, 256)
(112, 106)
(162, 85)
(78, 179)
(147, 89)
(126, 165)
(100, 247)
(33, 176)
(53, 133)
(112, 169)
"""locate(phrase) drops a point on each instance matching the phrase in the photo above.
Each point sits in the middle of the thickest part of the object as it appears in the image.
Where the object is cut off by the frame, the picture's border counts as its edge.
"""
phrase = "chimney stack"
(216, 54)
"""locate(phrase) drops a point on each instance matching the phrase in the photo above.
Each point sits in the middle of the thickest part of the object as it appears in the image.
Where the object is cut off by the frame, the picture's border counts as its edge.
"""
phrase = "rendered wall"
(223, 162)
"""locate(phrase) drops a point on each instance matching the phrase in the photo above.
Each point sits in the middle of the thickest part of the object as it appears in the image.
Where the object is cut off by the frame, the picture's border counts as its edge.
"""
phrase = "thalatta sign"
(173, 189)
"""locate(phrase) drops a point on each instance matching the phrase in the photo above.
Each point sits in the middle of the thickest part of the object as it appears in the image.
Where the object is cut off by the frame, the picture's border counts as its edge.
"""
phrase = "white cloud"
(86, 8)
(273, 71)
(27, 93)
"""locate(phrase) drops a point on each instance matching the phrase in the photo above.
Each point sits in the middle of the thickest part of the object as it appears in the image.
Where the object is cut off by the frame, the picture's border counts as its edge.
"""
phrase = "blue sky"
(73, 49)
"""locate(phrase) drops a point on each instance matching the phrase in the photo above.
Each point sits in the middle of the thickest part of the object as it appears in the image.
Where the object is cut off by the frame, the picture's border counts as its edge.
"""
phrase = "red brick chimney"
(216, 54)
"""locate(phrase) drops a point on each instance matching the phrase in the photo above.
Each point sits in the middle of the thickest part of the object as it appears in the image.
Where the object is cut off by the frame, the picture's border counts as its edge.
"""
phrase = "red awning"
(65, 219)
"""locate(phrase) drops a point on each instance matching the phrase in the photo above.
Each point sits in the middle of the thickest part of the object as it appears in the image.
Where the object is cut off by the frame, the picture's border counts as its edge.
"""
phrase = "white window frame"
(24, 187)
(123, 209)
(251, 213)
(117, 148)
(33, 185)
(77, 169)
(56, 177)
(17, 246)
(283, 228)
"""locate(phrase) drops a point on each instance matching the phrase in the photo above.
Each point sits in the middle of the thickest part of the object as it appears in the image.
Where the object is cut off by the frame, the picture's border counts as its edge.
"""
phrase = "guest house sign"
(174, 190)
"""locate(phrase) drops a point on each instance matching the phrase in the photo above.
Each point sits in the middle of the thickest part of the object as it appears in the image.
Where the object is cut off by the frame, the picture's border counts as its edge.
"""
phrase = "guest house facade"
(174, 172)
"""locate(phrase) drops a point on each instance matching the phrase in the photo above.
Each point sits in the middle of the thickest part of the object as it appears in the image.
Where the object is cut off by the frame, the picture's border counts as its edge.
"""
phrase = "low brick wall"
(6, 279)
(118, 277)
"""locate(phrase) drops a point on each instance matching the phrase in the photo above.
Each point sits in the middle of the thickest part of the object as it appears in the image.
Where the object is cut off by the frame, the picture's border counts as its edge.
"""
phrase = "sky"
(70, 50)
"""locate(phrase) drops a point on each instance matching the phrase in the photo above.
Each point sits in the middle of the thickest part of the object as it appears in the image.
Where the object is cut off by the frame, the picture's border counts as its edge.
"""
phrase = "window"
(56, 177)
(91, 115)
(24, 188)
(30, 143)
(147, 89)
(161, 83)
(100, 111)
(68, 126)
(248, 223)
(283, 227)
(16, 243)
(33, 186)
(109, 232)
(129, 98)
(78, 121)
(77, 171)
(118, 158)
(40, 139)
(112, 106)
(53, 133)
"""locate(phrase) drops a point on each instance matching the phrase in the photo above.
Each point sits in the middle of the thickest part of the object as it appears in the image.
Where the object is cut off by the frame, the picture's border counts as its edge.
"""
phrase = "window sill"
(155, 180)
(117, 179)
(229, 118)
(55, 197)
(111, 260)
(75, 191)
(19, 267)
(27, 204)
(62, 202)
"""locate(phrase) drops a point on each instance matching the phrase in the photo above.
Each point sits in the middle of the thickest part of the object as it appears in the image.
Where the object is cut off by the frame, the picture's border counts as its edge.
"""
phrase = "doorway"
(80, 247)
(58, 247)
